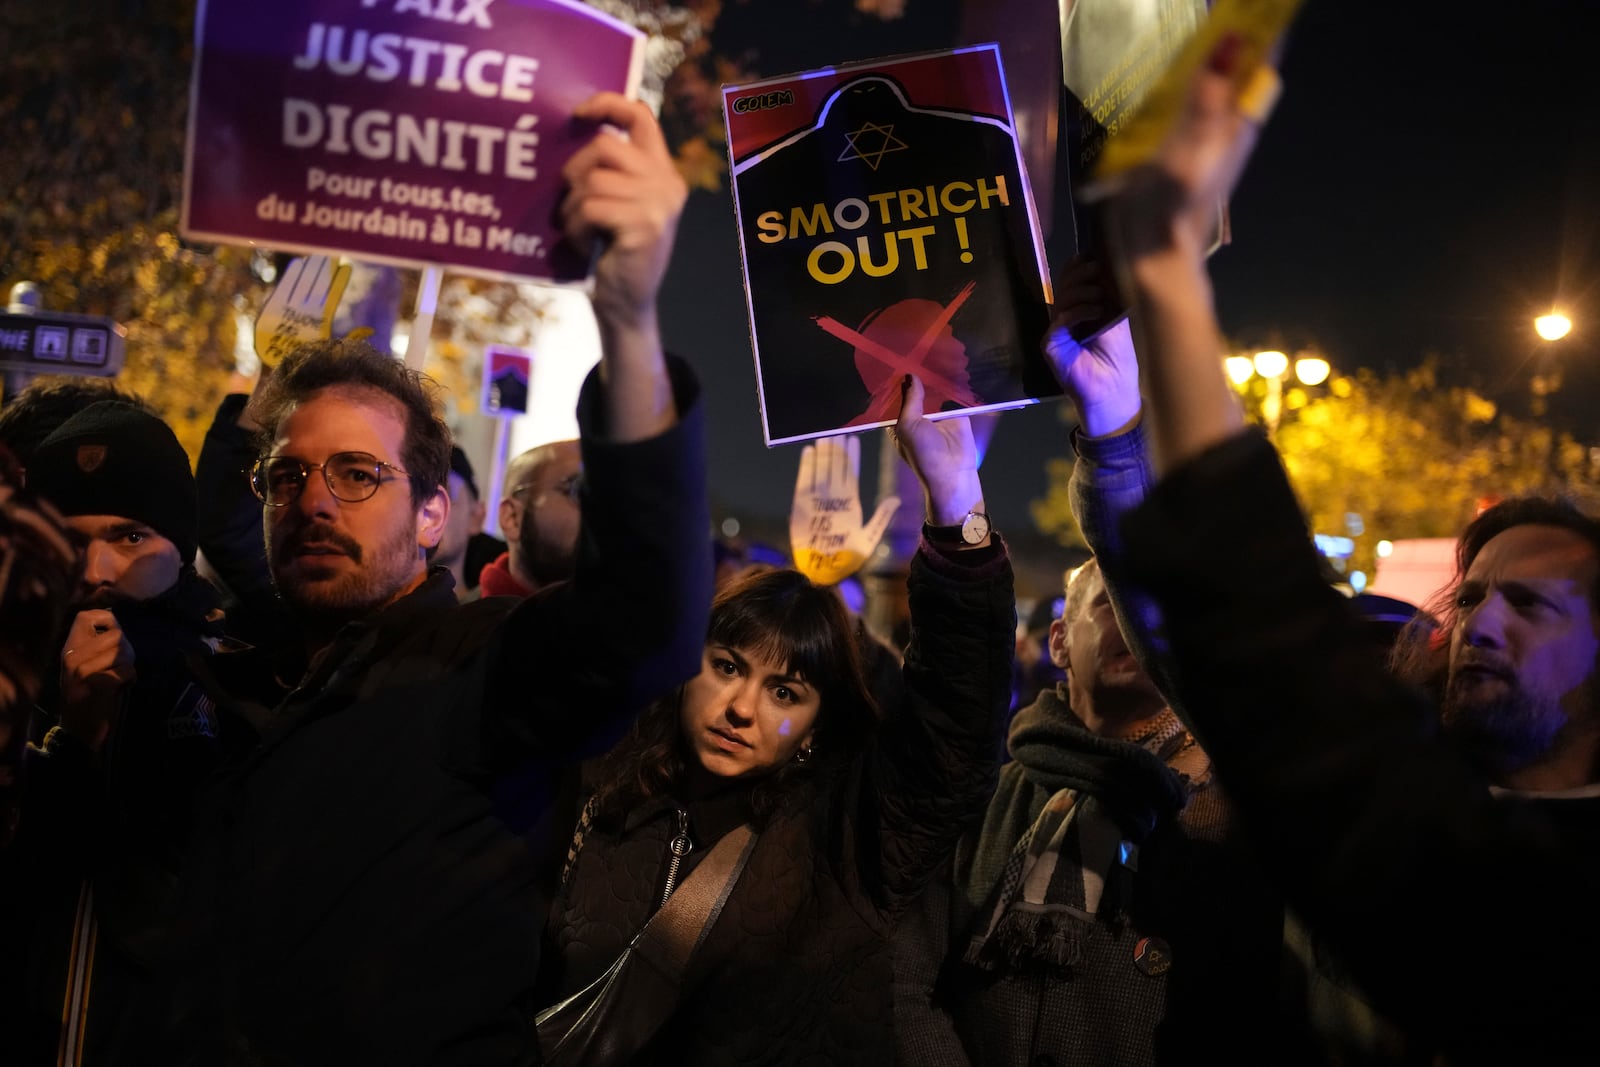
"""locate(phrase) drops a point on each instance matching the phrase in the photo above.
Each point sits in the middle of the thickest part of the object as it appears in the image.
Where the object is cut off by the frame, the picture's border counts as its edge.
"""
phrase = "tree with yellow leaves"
(1414, 458)
(96, 95)
(1390, 456)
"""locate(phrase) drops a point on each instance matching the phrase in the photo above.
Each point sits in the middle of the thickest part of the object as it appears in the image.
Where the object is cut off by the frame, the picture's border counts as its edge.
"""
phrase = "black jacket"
(797, 967)
(369, 870)
(1469, 919)
(90, 885)
(229, 528)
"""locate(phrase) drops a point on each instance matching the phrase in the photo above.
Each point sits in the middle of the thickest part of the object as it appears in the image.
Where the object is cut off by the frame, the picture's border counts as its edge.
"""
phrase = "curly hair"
(355, 364)
(776, 614)
(1421, 654)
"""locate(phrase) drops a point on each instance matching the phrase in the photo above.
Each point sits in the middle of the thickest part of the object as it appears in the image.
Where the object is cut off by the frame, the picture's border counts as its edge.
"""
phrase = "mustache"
(319, 533)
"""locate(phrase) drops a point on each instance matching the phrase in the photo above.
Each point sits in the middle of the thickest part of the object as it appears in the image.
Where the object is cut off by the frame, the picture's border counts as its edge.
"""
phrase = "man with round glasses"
(373, 875)
(333, 563)
(351, 477)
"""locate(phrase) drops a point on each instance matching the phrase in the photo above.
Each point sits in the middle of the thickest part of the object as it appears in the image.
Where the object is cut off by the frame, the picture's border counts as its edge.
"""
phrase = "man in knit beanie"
(132, 732)
(122, 480)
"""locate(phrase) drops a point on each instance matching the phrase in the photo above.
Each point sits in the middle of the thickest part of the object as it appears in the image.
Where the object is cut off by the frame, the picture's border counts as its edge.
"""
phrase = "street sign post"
(58, 342)
(507, 377)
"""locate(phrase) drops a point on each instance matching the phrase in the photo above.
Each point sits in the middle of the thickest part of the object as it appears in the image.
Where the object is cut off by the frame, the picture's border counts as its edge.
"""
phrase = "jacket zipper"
(680, 848)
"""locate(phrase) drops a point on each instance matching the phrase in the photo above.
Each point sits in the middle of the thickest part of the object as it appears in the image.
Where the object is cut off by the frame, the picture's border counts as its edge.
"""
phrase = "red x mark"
(911, 362)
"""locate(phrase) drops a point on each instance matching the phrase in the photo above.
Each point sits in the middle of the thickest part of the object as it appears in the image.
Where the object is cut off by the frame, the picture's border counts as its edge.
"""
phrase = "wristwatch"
(973, 529)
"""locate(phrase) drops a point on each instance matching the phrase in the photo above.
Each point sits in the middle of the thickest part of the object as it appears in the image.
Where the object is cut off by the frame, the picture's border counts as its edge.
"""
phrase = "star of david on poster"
(873, 150)
(886, 228)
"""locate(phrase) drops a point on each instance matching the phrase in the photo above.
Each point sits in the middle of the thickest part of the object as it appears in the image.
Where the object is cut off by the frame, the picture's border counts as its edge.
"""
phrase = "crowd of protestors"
(313, 776)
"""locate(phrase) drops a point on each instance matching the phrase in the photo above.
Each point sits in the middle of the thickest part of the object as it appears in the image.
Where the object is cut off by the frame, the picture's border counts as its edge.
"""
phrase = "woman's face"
(744, 715)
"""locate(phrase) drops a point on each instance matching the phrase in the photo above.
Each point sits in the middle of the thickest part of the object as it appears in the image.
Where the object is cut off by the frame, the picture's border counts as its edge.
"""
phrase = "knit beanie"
(112, 458)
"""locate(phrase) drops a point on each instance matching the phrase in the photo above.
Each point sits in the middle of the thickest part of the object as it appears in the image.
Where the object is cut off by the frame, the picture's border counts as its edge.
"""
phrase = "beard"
(1502, 731)
(545, 562)
(376, 577)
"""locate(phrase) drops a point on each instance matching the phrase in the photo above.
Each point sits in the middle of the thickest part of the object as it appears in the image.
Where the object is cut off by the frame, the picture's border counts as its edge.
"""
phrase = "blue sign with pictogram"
(59, 342)
(507, 374)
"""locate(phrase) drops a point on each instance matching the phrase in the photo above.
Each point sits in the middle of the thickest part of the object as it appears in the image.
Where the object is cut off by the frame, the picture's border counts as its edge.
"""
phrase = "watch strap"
(957, 534)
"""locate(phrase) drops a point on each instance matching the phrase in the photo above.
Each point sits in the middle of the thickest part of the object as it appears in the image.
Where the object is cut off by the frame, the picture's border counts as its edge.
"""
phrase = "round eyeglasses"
(351, 476)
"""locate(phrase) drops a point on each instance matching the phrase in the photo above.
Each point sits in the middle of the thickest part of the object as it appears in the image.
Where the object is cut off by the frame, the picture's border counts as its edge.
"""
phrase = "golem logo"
(746, 104)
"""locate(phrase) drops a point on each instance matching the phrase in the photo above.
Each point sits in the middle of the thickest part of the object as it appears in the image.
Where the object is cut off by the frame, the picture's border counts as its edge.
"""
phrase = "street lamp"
(1552, 327)
(1273, 367)
(1312, 370)
(1271, 364)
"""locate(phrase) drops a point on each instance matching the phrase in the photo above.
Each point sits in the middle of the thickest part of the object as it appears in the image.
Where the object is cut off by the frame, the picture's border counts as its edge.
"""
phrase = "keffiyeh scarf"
(1073, 865)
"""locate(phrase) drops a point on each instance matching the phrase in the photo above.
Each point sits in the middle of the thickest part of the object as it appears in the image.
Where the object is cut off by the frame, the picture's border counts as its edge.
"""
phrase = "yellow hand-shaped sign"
(826, 535)
(301, 306)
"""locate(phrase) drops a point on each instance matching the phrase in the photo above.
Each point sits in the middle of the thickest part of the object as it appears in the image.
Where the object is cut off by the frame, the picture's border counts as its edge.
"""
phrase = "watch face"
(975, 528)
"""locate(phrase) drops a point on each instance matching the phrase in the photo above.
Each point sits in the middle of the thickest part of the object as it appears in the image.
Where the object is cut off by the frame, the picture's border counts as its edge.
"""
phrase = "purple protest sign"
(421, 132)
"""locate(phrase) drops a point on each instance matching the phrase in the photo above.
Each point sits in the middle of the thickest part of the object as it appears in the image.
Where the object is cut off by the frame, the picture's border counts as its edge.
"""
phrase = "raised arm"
(229, 527)
(1112, 474)
(932, 766)
(626, 196)
(1161, 222)
(1387, 843)
(630, 625)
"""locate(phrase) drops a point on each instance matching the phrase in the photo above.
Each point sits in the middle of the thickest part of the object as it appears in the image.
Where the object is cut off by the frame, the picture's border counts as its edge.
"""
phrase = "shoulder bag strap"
(617, 1015)
(671, 936)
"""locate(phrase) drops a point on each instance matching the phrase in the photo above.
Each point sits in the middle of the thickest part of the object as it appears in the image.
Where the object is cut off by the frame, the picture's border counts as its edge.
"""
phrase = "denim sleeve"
(1111, 478)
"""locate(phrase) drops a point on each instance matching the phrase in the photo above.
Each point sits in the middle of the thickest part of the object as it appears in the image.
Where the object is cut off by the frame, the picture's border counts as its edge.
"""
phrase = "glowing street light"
(1239, 369)
(1271, 364)
(1312, 370)
(1273, 367)
(1552, 327)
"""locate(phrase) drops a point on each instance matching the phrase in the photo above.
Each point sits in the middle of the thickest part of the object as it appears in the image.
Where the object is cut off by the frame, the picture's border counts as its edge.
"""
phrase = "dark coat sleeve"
(42, 873)
(1469, 920)
(230, 530)
(572, 666)
(1111, 477)
(931, 768)
(924, 1033)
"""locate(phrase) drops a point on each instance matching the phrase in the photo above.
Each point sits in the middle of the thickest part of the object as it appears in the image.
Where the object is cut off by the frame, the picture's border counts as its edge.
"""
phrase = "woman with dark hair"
(853, 807)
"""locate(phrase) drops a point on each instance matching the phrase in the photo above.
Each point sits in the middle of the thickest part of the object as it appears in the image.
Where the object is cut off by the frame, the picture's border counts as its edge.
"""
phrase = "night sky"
(1429, 182)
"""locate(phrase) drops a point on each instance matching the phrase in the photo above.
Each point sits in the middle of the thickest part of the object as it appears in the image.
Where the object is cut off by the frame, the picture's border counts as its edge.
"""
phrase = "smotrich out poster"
(887, 228)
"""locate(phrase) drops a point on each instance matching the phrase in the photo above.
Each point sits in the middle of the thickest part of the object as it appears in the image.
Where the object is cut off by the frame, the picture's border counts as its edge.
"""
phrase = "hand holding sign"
(825, 531)
(301, 307)
(625, 193)
(942, 454)
(1100, 375)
